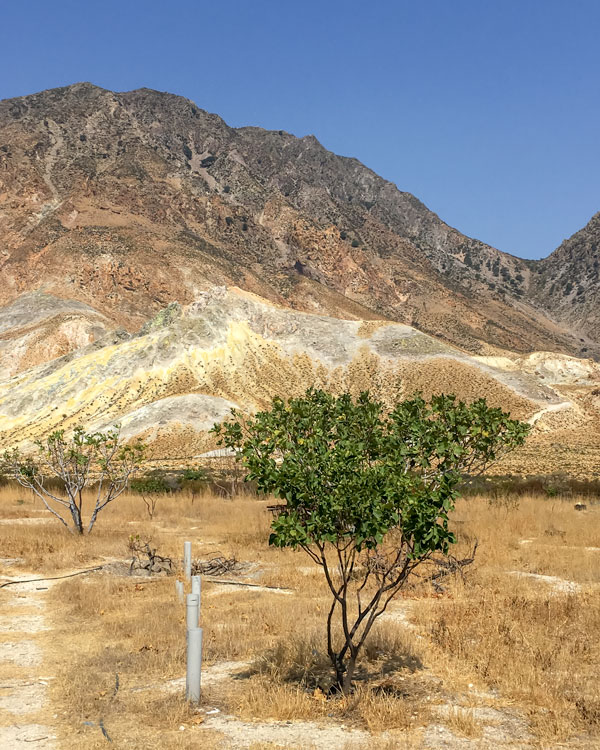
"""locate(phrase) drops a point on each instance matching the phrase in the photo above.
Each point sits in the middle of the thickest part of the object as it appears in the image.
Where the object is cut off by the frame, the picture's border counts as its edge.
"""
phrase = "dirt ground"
(506, 658)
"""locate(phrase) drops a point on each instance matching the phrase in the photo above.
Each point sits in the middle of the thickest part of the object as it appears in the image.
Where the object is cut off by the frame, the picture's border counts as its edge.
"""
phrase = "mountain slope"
(569, 279)
(128, 201)
(171, 382)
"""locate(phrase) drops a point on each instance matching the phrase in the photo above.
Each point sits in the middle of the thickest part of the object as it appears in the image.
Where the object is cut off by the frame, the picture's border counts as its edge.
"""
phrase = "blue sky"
(487, 110)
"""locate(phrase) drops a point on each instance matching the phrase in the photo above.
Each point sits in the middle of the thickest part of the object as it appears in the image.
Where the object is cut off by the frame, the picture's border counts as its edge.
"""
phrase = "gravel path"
(23, 681)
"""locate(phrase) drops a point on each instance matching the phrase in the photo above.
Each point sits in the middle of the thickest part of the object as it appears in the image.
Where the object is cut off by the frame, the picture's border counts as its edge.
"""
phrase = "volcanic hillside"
(188, 367)
(113, 205)
(159, 267)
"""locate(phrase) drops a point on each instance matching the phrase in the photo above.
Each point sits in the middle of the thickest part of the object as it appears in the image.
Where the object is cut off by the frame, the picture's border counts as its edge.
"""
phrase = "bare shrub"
(83, 460)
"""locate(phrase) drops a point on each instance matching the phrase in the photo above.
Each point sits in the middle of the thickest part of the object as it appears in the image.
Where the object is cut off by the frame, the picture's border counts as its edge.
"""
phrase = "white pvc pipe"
(194, 664)
(180, 592)
(187, 559)
(192, 611)
(197, 587)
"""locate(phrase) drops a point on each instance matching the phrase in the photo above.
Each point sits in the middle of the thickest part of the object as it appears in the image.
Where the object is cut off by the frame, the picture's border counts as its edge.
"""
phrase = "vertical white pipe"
(197, 588)
(194, 664)
(179, 590)
(187, 559)
(191, 611)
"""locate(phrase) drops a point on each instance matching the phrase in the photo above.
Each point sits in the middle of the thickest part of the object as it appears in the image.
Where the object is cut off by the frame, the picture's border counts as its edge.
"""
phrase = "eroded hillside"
(189, 367)
(128, 201)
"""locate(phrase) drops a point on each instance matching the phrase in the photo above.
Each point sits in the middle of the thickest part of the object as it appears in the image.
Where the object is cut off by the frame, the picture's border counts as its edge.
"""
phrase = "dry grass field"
(506, 658)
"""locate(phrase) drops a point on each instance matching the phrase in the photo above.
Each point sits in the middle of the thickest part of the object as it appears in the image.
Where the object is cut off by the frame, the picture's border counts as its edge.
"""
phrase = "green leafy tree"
(368, 490)
(97, 460)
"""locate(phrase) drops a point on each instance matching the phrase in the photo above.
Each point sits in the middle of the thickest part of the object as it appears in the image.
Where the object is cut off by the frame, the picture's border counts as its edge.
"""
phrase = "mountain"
(125, 202)
(188, 366)
(159, 267)
(568, 280)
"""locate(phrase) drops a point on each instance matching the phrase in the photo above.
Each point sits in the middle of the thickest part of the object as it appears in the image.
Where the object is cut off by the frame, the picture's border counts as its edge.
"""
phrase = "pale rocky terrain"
(24, 718)
(38, 327)
(187, 368)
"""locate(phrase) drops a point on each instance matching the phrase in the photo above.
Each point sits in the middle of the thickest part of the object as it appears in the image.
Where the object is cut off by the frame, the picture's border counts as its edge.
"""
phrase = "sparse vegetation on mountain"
(367, 492)
(574, 264)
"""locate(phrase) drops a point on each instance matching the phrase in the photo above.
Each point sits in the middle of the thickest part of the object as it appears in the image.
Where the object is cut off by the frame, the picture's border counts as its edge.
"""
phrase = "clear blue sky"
(487, 110)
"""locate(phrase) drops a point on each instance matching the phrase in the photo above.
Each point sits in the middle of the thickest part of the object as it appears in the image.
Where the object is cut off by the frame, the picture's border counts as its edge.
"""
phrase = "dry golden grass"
(462, 722)
(369, 707)
(534, 640)
(395, 741)
(234, 526)
(538, 647)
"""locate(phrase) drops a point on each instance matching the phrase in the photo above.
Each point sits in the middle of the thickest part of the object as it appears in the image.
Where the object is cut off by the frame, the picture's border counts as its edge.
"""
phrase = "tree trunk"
(340, 671)
(344, 672)
(346, 685)
(93, 520)
(76, 516)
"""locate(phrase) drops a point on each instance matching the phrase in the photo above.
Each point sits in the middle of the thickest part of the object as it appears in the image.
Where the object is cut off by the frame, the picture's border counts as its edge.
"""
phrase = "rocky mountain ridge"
(126, 202)
(569, 280)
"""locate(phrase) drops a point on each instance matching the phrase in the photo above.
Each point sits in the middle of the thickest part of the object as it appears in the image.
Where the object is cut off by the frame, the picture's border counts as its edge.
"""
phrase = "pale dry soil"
(505, 659)
(25, 714)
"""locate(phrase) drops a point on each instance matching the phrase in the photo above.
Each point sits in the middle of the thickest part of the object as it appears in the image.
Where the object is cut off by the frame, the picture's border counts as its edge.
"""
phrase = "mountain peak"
(133, 200)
